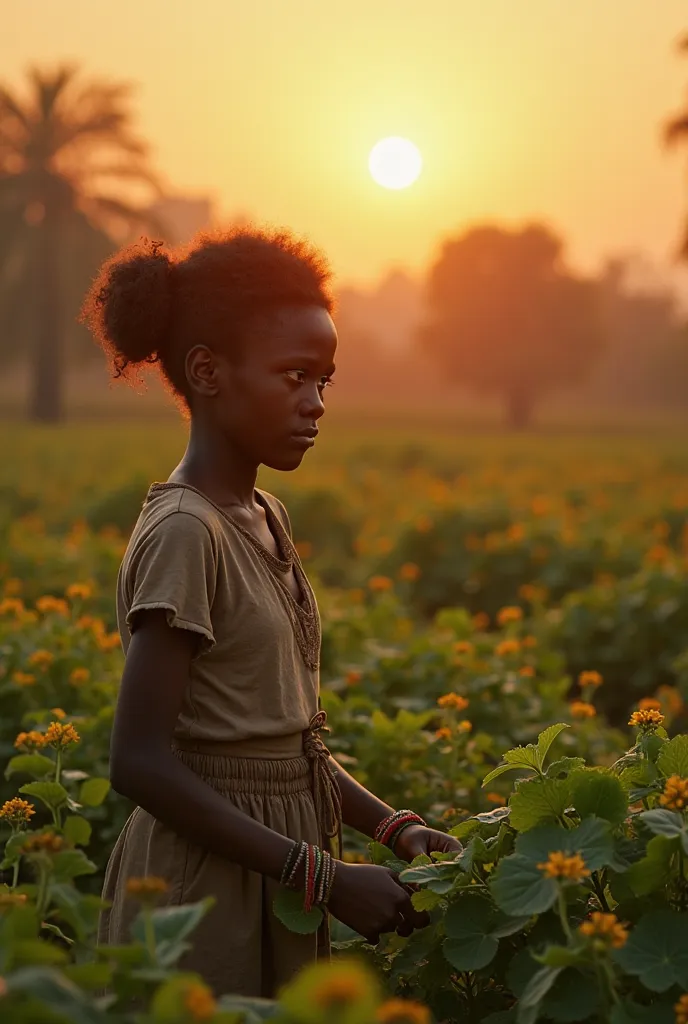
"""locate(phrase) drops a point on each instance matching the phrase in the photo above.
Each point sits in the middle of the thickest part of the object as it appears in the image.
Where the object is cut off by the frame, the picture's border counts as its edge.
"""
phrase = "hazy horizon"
(547, 113)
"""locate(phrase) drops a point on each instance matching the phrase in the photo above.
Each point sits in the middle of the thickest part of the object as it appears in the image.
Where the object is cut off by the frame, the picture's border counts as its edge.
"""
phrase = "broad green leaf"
(469, 945)
(171, 926)
(672, 758)
(560, 956)
(631, 1013)
(504, 925)
(79, 910)
(520, 888)
(600, 794)
(52, 794)
(13, 848)
(93, 792)
(592, 839)
(89, 976)
(663, 822)
(547, 738)
(69, 864)
(30, 764)
(26, 952)
(494, 817)
(652, 871)
(575, 997)
(464, 829)
(437, 877)
(426, 899)
(56, 992)
(77, 830)
(538, 800)
(523, 757)
(502, 768)
(288, 907)
(564, 766)
(657, 951)
(535, 991)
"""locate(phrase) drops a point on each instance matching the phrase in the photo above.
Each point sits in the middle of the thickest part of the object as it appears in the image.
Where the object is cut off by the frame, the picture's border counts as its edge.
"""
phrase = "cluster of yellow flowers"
(16, 811)
(562, 865)
(464, 647)
(30, 739)
(409, 572)
(606, 929)
(590, 678)
(646, 719)
(378, 584)
(402, 1011)
(453, 700)
(675, 795)
(507, 647)
(58, 735)
(147, 887)
(45, 842)
(681, 1009)
(199, 1001)
(510, 614)
(581, 709)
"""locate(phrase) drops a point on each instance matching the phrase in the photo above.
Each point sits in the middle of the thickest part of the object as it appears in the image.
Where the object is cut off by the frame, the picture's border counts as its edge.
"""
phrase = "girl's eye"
(325, 382)
(296, 375)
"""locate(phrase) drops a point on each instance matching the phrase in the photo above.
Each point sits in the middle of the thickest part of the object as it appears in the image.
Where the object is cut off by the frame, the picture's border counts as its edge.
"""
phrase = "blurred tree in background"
(72, 179)
(504, 316)
(676, 132)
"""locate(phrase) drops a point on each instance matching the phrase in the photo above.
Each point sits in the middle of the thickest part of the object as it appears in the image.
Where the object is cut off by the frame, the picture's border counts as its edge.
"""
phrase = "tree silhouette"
(504, 316)
(676, 132)
(62, 145)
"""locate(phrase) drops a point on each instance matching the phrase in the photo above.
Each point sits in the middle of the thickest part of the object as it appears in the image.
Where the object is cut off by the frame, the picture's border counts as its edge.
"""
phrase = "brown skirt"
(240, 947)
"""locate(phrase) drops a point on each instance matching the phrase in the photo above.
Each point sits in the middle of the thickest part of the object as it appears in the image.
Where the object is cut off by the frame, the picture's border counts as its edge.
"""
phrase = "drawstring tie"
(326, 792)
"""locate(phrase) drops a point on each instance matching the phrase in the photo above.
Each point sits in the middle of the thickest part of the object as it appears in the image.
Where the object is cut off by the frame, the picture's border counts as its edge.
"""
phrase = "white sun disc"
(395, 162)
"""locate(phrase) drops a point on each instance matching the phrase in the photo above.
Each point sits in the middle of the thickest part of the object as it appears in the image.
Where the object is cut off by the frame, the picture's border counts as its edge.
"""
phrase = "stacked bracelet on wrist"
(319, 870)
(389, 829)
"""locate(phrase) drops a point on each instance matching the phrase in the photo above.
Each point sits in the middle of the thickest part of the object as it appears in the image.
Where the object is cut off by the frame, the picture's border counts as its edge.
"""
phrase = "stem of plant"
(58, 765)
(15, 873)
(599, 892)
(563, 914)
(149, 933)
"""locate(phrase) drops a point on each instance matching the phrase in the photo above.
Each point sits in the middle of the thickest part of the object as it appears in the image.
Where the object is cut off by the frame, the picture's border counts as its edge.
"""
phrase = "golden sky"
(522, 109)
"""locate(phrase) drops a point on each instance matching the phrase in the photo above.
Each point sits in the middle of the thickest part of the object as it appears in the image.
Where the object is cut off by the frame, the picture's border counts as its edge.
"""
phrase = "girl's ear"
(202, 371)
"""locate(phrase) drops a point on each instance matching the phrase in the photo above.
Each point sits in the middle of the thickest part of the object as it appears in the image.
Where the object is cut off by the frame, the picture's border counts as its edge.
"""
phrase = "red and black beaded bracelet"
(390, 828)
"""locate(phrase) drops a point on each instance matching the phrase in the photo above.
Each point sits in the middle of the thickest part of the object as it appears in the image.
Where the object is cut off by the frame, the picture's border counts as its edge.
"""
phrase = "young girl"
(217, 729)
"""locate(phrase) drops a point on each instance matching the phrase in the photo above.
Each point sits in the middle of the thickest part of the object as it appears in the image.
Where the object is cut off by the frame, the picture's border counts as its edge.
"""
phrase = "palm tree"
(61, 146)
(676, 131)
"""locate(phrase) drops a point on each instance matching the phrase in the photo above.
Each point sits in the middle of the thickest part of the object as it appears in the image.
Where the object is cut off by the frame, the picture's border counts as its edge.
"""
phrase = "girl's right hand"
(370, 899)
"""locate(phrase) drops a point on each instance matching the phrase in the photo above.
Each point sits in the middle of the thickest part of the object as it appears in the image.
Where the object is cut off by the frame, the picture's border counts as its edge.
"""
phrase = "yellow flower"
(529, 641)
(423, 524)
(58, 712)
(562, 865)
(199, 1001)
(380, 583)
(649, 704)
(658, 554)
(30, 739)
(108, 642)
(12, 586)
(681, 1010)
(48, 604)
(58, 735)
(409, 572)
(532, 592)
(509, 614)
(340, 989)
(675, 795)
(45, 842)
(17, 811)
(507, 647)
(402, 1011)
(79, 591)
(465, 726)
(495, 798)
(356, 595)
(480, 621)
(12, 606)
(646, 720)
(671, 699)
(590, 679)
(453, 700)
(605, 927)
(23, 678)
(78, 676)
(146, 888)
(353, 677)
(41, 659)
(528, 672)
(463, 647)
(11, 899)
(516, 532)
(581, 709)
(444, 733)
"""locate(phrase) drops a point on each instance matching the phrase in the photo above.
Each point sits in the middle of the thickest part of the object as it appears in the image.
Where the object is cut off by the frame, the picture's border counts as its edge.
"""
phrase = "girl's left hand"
(419, 839)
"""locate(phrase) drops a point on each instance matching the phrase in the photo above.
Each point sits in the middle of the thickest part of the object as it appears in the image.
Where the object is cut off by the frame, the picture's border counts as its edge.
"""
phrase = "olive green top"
(255, 673)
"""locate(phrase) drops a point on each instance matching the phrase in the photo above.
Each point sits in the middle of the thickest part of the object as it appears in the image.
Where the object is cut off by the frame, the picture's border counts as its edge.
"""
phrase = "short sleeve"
(175, 568)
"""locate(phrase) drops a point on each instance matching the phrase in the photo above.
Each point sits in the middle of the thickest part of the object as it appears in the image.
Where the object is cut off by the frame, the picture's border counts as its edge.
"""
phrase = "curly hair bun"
(128, 307)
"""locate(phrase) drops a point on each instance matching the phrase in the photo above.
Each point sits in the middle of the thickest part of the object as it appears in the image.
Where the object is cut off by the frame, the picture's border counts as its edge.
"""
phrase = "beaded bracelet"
(319, 872)
(390, 828)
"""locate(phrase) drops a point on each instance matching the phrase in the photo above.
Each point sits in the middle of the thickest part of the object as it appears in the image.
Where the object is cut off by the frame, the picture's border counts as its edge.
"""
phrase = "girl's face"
(270, 398)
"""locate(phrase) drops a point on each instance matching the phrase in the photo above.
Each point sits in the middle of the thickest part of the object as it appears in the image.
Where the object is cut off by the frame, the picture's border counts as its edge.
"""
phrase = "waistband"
(276, 764)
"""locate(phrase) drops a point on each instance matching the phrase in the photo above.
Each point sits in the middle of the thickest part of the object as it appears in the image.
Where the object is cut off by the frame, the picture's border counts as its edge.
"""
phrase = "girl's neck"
(221, 474)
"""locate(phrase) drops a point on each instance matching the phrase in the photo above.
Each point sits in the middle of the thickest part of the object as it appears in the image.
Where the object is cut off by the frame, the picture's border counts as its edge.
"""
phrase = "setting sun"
(395, 162)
